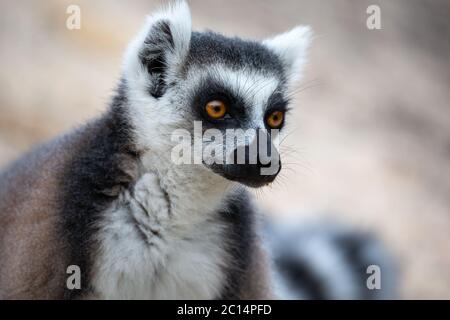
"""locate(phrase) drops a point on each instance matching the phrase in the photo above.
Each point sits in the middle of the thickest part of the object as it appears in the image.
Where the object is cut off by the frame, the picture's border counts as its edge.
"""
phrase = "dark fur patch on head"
(235, 53)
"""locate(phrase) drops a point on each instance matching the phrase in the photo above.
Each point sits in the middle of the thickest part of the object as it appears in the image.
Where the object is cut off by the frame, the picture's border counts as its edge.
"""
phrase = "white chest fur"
(157, 245)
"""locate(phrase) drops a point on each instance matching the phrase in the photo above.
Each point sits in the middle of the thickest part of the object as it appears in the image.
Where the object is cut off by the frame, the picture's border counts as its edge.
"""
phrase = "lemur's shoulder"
(104, 165)
(31, 250)
(33, 199)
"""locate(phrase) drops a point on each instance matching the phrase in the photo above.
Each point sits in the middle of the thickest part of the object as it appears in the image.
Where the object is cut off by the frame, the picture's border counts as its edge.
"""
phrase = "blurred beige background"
(370, 130)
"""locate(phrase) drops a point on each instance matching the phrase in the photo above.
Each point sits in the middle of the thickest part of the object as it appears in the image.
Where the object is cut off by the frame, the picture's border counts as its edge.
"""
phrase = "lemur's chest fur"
(163, 240)
(147, 252)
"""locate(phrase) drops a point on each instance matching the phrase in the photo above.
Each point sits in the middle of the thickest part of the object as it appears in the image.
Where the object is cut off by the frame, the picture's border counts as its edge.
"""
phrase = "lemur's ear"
(292, 48)
(159, 49)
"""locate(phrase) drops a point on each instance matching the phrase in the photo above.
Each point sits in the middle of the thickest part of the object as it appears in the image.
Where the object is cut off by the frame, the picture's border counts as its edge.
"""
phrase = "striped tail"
(327, 260)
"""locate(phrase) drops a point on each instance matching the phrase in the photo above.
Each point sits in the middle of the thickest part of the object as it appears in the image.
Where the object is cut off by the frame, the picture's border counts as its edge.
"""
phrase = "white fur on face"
(154, 120)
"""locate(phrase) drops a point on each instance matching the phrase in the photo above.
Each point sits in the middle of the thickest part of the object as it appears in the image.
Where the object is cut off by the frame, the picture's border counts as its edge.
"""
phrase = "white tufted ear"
(159, 49)
(292, 48)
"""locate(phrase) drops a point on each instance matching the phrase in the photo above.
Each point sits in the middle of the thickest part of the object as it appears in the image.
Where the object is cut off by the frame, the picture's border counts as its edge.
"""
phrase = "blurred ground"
(371, 128)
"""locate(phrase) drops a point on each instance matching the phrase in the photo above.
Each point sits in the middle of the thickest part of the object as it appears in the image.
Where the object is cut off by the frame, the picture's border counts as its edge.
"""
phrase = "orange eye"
(216, 109)
(275, 119)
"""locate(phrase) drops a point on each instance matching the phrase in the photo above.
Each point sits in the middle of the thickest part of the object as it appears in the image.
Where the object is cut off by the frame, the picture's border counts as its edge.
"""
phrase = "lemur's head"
(177, 80)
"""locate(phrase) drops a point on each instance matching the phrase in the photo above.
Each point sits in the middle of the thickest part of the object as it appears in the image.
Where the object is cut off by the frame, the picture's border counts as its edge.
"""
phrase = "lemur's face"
(209, 86)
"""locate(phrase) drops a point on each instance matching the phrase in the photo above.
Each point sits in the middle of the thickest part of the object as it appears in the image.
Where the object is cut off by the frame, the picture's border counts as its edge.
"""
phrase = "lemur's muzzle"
(254, 165)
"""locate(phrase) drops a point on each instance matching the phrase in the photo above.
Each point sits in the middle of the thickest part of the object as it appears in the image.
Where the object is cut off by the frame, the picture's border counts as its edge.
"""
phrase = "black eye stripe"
(238, 113)
(276, 102)
(209, 90)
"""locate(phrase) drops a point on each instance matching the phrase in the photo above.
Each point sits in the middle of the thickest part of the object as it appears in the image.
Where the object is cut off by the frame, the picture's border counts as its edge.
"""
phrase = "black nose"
(261, 152)
(253, 156)
(254, 165)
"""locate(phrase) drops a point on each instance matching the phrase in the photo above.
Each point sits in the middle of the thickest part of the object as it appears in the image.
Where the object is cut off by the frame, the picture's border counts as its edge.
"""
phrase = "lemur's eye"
(275, 119)
(216, 109)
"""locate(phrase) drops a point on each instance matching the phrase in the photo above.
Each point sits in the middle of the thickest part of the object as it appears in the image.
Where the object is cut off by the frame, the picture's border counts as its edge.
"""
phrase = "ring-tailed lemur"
(108, 198)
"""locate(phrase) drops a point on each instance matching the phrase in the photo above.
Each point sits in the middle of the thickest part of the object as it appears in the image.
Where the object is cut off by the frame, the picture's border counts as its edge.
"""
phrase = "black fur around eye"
(275, 114)
(209, 91)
